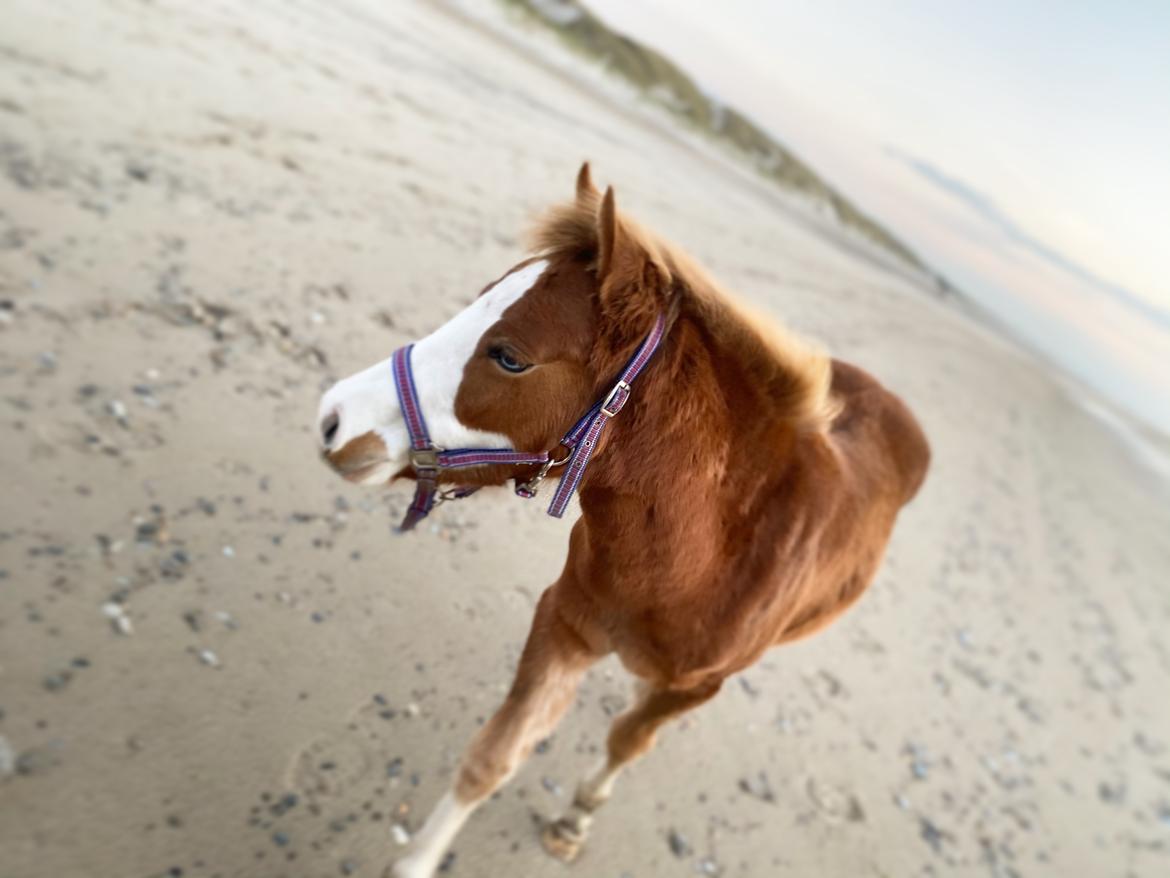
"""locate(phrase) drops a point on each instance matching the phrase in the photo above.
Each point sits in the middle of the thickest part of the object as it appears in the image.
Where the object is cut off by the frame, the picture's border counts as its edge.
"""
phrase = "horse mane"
(798, 371)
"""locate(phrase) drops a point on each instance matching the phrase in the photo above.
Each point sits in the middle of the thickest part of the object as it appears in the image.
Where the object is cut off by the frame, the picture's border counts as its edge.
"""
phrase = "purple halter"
(428, 460)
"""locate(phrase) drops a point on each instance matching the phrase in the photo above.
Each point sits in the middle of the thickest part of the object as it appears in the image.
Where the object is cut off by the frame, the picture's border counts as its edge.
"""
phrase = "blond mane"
(802, 370)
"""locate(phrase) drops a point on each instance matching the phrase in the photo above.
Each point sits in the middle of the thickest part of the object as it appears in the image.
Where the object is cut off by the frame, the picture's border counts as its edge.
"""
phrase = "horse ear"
(586, 191)
(607, 232)
(633, 280)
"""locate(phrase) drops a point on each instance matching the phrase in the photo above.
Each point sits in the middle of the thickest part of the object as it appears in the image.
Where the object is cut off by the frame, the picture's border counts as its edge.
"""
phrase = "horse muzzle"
(363, 460)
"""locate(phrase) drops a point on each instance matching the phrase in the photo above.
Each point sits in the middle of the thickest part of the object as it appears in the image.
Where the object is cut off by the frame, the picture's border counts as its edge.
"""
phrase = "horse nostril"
(329, 427)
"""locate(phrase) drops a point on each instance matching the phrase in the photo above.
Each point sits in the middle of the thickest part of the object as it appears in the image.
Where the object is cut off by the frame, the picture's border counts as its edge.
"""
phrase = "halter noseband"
(428, 460)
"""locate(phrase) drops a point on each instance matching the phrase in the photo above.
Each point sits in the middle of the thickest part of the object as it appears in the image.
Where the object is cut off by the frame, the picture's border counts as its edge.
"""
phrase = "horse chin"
(378, 473)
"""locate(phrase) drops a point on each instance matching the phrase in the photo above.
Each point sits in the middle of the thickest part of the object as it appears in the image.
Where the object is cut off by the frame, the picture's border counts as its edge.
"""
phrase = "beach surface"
(217, 659)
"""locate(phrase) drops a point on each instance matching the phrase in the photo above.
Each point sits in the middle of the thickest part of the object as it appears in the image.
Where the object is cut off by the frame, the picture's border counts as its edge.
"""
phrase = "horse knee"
(479, 777)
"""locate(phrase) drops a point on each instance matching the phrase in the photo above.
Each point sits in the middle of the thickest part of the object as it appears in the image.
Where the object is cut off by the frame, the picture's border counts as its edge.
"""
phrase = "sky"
(1023, 149)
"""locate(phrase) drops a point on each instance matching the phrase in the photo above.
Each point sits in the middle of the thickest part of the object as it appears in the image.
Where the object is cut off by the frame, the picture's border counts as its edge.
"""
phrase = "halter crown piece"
(428, 460)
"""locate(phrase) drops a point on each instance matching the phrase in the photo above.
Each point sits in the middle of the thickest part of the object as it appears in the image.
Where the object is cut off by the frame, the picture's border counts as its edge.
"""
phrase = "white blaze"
(367, 402)
(434, 838)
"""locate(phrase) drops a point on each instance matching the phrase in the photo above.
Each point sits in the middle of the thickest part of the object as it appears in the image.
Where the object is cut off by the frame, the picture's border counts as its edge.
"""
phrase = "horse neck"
(702, 408)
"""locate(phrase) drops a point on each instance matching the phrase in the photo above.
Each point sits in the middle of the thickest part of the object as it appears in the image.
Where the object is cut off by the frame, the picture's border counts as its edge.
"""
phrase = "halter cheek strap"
(428, 460)
(582, 439)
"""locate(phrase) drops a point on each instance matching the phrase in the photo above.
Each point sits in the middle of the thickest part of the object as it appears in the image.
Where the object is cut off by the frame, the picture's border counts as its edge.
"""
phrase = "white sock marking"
(598, 785)
(432, 841)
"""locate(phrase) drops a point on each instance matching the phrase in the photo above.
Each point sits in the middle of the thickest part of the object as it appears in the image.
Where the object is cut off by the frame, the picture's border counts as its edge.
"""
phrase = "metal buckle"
(425, 460)
(621, 385)
(529, 488)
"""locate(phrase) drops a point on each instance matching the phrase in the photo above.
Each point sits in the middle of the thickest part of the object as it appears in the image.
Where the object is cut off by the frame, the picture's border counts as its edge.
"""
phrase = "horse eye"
(507, 362)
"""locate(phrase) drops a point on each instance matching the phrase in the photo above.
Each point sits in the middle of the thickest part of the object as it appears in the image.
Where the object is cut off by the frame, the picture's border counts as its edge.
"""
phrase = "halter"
(428, 460)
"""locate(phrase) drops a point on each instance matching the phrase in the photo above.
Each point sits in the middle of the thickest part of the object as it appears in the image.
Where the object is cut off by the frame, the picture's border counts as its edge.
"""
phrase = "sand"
(216, 659)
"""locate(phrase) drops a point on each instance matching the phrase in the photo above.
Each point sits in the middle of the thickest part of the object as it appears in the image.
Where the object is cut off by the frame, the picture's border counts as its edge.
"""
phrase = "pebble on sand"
(119, 618)
(7, 758)
(38, 760)
(679, 846)
(758, 786)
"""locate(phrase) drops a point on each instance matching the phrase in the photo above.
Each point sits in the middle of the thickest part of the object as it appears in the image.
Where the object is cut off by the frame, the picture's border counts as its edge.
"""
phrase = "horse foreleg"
(632, 734)
(553, 661)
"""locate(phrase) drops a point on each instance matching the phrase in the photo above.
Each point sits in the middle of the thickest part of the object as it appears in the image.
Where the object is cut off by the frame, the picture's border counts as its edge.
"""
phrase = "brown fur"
(743, 499)
(353, 458)
(800, 374)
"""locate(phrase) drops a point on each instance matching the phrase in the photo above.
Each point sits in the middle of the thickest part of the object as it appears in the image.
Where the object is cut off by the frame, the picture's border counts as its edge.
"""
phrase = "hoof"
(562, 840)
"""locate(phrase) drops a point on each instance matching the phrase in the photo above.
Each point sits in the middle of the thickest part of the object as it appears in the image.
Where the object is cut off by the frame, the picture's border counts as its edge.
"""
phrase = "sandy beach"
(216, 659)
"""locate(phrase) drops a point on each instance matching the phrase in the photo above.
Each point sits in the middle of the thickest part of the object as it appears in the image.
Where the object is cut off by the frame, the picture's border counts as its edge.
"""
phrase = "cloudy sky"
(1022, 148)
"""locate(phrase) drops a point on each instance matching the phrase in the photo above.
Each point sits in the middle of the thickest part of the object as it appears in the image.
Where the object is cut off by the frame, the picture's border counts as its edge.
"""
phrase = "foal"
(743, 499)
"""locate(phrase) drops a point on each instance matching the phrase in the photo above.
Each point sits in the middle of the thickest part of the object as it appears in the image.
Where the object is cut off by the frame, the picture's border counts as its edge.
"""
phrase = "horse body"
(747, 534)
(743, 499)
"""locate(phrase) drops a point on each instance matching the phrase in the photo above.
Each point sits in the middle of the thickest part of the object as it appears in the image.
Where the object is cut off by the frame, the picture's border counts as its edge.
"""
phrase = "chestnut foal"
(743, 499)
